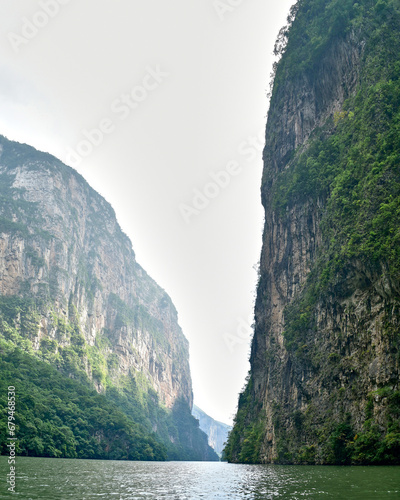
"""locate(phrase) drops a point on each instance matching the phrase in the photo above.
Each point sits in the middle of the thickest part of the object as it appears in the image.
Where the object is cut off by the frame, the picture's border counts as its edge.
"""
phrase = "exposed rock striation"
(324, 379)
(61, 244)
(73, 296)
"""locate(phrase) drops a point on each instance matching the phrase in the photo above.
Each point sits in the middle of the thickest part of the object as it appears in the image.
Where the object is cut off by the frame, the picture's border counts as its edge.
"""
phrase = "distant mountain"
(217, 432)
(73, 296)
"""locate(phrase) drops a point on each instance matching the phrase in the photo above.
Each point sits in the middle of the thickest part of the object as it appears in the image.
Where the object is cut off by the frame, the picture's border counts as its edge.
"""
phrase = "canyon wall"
(324, 380)
(62, 246)
(73, 296)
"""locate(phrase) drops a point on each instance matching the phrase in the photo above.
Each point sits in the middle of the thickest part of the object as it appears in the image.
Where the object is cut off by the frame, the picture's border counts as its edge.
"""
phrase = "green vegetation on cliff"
(244, 440)
(217, 432)
(80, 316)
(59, 414)
(352, 160)
(349, 168)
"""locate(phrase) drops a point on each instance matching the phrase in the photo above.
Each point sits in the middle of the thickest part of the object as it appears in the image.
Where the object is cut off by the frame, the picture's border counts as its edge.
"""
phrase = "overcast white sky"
(179, 89)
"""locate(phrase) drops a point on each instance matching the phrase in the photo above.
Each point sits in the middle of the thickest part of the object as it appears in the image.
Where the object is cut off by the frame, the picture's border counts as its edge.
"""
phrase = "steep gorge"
(324, 380)
(217, 432)
(73, 295)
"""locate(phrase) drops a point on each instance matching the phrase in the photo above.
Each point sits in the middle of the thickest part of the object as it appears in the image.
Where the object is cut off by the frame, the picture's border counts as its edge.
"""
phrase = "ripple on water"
(58, 479)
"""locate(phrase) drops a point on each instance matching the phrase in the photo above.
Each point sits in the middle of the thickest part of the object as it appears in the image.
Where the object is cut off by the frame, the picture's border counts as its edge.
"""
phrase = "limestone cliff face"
(324, 379)
(217, 432)
(291, 243)
(60, 244)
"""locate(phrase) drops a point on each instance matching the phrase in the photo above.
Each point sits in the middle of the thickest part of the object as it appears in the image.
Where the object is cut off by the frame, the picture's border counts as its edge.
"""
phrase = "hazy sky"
(161, 106)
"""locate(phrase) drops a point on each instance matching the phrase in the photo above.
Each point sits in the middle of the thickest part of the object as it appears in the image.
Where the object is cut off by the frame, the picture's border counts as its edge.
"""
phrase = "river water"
(53, 479)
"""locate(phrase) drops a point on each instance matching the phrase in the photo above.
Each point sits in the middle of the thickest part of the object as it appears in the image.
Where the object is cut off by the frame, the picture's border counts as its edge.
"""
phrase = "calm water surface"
(53, 479)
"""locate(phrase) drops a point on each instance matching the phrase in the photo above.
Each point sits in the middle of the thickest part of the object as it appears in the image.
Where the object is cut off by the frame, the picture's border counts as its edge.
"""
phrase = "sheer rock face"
(291, 243)
(60, 241)
(348, 353)
(305, 102)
